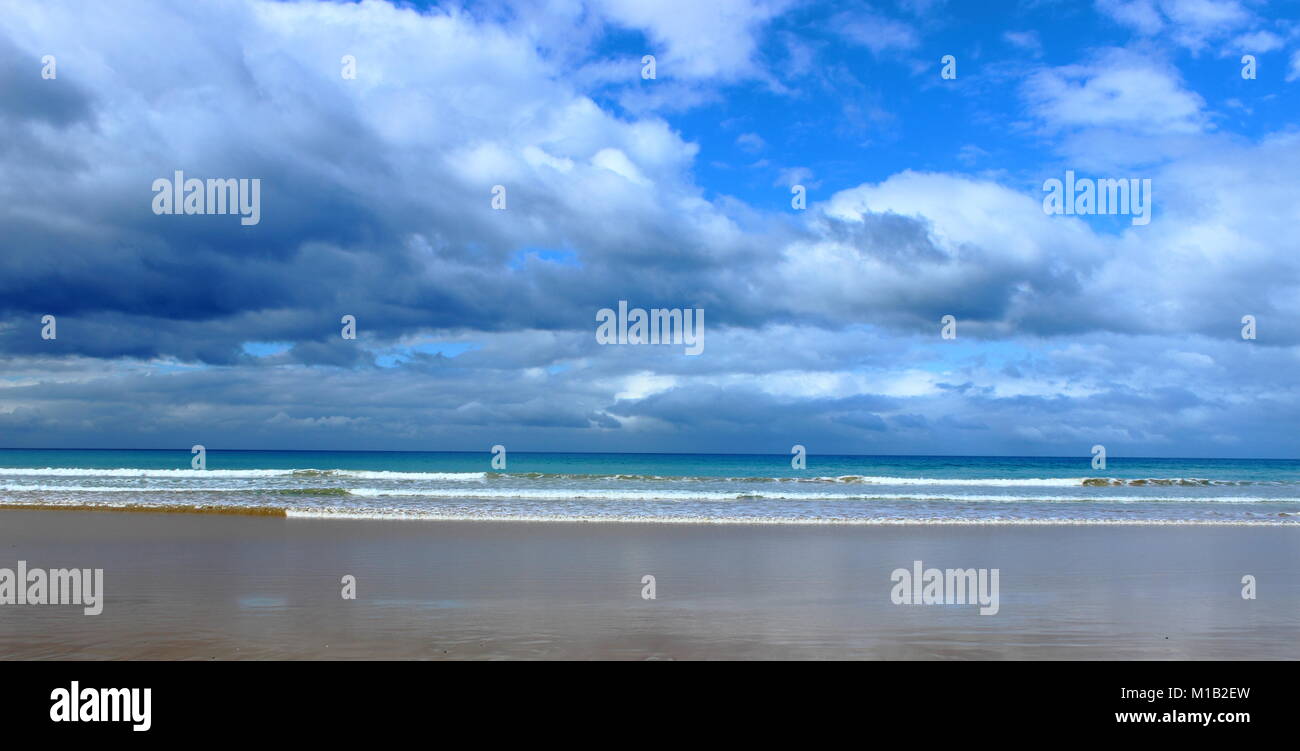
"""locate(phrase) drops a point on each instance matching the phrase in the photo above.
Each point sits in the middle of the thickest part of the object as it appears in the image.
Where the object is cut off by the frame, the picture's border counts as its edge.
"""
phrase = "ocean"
(717, 488)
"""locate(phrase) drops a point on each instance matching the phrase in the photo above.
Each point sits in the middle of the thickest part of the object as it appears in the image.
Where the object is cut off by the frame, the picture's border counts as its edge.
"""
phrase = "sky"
(476, 325)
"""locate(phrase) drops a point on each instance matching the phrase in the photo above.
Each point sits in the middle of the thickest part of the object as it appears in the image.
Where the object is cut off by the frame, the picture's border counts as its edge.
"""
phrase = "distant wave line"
(307, 474)
(588, 494)
(237, 474)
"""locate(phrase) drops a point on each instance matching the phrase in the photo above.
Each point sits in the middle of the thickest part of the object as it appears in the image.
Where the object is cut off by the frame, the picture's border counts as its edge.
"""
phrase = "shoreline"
(277, 512)
(215, 586)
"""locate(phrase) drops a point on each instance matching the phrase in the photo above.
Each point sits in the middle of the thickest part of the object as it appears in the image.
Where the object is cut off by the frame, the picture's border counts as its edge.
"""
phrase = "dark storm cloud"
(30, 98)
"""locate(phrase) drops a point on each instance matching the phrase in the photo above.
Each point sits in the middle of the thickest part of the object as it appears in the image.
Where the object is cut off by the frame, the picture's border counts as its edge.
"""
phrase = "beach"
(201, 586)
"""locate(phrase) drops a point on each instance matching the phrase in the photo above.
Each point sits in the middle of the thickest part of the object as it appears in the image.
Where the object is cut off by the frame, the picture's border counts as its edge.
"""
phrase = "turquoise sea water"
(666, 487)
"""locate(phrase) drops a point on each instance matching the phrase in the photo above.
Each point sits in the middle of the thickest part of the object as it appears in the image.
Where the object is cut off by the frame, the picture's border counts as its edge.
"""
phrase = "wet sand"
(202, 586)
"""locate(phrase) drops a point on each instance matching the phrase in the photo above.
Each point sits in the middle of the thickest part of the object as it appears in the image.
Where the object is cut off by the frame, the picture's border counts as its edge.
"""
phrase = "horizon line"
(1086, 457)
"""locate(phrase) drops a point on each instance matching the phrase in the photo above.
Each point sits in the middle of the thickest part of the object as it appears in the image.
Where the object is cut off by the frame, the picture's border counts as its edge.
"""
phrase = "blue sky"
(476, 326)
